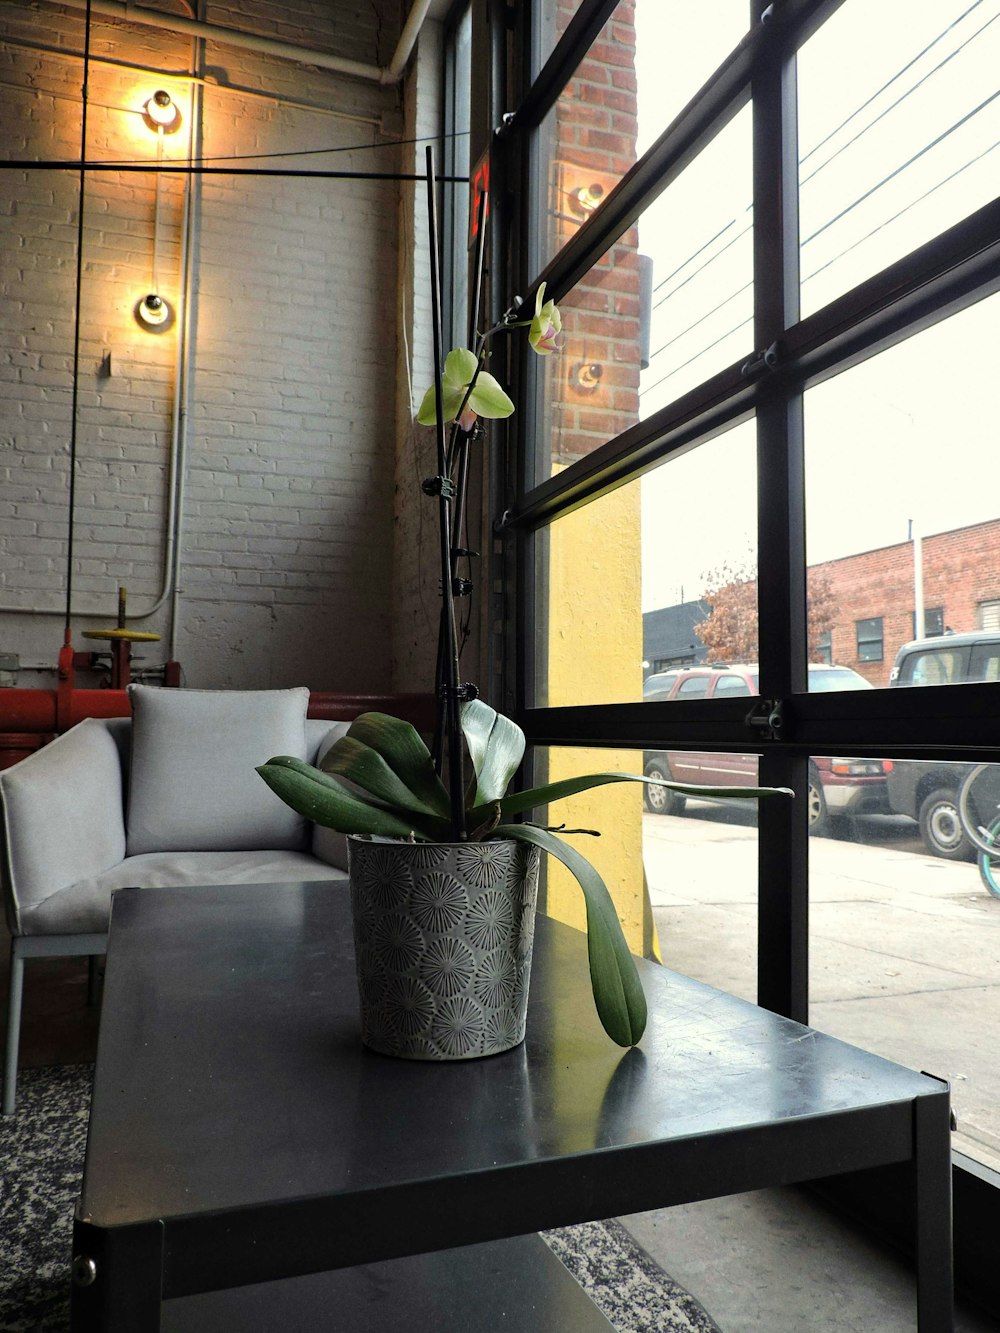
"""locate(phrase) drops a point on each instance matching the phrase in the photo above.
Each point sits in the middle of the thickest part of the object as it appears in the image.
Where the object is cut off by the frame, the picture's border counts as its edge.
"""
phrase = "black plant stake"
(448, 692)
(458, 469)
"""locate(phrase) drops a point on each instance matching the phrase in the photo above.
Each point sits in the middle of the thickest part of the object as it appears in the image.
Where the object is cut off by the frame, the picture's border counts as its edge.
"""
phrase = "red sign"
(480, 187)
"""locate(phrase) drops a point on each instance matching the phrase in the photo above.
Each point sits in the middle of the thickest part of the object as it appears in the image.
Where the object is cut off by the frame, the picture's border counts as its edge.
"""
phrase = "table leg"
(117, 1278)
(932, 1176)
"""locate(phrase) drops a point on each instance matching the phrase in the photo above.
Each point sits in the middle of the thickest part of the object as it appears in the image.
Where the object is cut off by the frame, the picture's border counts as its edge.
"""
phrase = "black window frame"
(955, 269)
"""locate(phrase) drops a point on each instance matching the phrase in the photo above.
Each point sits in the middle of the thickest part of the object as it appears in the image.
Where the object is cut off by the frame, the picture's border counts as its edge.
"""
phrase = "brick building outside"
(592, 145)
(873, 593)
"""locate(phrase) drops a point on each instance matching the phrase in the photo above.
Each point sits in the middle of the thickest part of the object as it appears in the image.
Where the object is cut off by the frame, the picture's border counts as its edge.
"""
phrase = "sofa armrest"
(63, 816)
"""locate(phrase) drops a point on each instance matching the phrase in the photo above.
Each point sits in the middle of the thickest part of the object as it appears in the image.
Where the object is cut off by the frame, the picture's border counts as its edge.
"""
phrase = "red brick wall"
(595, 145)
(961, 570)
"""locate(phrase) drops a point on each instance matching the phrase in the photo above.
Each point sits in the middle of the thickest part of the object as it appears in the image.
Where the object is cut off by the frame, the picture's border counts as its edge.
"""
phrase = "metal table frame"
(240, 1134)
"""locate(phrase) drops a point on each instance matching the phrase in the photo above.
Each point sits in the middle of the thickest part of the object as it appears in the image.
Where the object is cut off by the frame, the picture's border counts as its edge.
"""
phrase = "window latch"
(766, 718)
(760, 362)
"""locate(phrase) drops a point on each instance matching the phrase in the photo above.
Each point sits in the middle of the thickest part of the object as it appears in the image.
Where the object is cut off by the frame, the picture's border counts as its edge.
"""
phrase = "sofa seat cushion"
(85, 907)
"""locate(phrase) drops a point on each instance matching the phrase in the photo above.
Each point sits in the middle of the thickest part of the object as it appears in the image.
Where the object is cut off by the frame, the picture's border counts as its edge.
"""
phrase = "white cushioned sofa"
(167, 797)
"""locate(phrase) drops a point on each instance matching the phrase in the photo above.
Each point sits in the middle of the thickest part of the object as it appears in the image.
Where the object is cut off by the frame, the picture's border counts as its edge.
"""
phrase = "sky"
(899, 139)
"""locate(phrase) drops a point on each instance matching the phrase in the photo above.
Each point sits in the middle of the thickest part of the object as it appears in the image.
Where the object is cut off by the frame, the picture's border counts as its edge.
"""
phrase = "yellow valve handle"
(127, 635)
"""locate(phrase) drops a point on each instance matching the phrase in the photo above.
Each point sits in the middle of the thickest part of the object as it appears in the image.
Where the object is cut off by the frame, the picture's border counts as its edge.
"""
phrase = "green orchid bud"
(546, 326)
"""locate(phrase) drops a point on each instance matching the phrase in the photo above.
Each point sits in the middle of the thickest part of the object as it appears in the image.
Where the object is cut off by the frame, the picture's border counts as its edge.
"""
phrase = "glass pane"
(650, 58)
(898, 145)
(905, 932)
(458, 240)
(903, 527)
(683, 874)
(669, 304)
(652, 578)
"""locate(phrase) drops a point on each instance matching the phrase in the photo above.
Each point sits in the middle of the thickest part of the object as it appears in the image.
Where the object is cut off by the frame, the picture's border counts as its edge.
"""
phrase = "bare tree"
(730, 630)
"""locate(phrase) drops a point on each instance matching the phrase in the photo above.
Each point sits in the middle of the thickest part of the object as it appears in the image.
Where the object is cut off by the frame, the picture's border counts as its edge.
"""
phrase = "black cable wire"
(892, 105)
(701, 248)
(177, 169)
(701, 267)
(701, 351)
(301, 152)
(76, 326)
(903, 166)
(861, 198)
(889, 82)
(701, 319)
(846, 121)
(830, 262)
(895, 216)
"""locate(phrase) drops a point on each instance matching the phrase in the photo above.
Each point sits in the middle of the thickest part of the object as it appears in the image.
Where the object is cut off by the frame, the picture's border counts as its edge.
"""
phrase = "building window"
(869, 639)
(989, 615)
(933, 623)
(824, 648)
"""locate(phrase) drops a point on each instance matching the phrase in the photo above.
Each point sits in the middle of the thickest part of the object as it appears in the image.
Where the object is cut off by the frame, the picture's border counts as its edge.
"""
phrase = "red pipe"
(54, 711)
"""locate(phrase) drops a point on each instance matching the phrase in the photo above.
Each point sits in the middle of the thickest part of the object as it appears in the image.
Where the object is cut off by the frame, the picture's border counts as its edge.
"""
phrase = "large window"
(763, 456)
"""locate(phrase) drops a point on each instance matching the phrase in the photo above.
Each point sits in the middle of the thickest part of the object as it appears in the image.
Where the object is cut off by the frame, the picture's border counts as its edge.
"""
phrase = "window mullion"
(783, 895)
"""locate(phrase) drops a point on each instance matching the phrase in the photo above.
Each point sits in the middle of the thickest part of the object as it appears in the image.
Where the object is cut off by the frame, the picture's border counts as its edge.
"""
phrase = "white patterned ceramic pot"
(442, 936)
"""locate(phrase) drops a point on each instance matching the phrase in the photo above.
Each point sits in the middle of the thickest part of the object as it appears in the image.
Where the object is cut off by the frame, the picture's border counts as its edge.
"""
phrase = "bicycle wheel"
(978, 807)
(989, 865)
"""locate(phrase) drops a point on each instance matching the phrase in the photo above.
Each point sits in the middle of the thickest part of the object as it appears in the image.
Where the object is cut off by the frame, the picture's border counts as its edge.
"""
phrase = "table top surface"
(230, 1068)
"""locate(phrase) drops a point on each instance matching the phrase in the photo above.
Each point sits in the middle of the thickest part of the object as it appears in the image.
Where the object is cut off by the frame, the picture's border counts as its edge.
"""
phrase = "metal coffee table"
(250, 1165)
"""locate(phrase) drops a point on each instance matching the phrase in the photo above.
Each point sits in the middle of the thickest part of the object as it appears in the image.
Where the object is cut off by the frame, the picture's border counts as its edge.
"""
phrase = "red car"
(837, 787)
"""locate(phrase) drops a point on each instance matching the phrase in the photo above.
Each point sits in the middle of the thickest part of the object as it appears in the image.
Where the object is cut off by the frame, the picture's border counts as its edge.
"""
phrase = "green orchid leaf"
(405, 753)
(366, 768)
(488, 399)
(496, 745)
(324, 800)
(520, 801)
(618, 993)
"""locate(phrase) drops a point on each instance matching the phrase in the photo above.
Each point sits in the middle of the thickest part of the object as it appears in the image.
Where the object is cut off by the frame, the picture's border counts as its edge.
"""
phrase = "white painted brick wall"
(286, 546)
(416, 599)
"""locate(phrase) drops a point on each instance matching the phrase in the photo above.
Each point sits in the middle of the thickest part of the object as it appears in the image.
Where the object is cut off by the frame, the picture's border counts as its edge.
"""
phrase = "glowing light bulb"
(153, 313)
(587, 198)
(161, 112)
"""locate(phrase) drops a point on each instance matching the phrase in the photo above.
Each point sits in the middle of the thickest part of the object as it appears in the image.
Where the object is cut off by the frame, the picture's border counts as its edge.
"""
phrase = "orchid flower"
(546, 326)
(487, 399)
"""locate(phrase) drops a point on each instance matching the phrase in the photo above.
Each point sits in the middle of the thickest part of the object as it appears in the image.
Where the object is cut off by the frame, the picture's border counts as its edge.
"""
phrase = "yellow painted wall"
(595, 656)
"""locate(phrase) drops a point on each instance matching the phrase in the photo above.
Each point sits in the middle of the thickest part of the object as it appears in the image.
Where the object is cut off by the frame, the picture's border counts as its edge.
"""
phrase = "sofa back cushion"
(193, 782)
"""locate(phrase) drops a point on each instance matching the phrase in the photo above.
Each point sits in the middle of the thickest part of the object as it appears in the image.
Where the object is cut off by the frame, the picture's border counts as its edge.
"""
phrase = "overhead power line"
(969, 116)
(846, 121)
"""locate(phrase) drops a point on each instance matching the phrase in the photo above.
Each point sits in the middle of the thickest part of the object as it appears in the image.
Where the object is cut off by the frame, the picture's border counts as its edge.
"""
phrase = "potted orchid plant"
(444, 873)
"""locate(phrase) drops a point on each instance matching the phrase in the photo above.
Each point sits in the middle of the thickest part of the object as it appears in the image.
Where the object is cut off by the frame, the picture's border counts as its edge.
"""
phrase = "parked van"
(948, 659)
(927, 789)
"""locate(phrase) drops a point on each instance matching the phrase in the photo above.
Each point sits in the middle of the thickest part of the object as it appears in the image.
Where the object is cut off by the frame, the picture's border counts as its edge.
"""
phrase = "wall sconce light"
(587, 376)
(161, 113)
(154, 314)
(586, 198)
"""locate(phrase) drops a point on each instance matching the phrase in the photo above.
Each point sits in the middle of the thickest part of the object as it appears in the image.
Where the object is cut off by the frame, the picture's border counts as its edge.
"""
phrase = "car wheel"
(941, 827)
(661, 800)
(819, 817)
